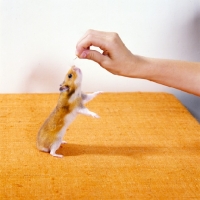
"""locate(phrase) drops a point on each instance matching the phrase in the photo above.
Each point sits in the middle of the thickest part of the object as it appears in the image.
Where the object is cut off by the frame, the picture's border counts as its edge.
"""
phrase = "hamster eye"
(70, 75)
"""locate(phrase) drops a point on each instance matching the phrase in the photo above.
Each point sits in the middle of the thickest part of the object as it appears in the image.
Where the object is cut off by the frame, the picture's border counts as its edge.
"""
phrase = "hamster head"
(72, 80)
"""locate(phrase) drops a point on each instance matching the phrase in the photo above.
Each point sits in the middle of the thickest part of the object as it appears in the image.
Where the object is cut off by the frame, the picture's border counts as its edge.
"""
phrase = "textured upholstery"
(144, 146)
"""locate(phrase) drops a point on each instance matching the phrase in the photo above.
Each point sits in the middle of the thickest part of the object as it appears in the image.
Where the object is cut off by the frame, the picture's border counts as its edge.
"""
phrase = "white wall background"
(38, 39)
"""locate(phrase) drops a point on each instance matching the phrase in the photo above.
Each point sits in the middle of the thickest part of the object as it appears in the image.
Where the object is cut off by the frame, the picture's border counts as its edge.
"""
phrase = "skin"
(119, 60)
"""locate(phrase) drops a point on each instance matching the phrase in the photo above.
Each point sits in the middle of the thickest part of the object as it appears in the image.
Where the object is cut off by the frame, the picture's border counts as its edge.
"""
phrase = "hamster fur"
(71, 102)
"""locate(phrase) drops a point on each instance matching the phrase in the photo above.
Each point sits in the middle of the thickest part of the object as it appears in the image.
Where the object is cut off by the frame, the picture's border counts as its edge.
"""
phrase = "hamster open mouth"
(64, 88)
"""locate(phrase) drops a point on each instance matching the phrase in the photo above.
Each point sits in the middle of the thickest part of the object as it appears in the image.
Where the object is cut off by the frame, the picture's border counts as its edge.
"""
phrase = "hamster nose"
(76, 69)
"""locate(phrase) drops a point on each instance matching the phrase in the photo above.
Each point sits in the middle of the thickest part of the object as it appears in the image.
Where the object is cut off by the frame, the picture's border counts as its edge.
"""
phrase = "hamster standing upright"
(71, 102)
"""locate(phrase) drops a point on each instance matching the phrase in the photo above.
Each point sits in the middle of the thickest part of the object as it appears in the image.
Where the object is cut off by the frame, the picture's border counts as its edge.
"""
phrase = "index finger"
(92, 38)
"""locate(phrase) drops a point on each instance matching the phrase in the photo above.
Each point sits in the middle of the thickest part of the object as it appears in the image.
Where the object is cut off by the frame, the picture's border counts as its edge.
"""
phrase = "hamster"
(70, 103)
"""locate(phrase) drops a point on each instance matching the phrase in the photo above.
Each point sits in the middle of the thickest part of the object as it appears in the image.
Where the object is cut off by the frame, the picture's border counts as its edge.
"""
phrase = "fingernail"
(83, 55)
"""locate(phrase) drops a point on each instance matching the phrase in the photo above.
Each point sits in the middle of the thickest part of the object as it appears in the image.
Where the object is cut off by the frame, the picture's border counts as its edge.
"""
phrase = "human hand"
(116, 58)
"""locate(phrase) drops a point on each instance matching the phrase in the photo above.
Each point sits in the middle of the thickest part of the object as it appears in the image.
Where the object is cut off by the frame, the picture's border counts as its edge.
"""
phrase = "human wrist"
(139, 67)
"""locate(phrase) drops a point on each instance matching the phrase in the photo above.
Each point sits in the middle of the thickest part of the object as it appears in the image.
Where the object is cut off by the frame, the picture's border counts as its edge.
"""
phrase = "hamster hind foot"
(55, 155)
(55, 146)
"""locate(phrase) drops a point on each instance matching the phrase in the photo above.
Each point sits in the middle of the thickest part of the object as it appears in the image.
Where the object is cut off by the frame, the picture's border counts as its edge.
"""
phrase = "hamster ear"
(64, 88)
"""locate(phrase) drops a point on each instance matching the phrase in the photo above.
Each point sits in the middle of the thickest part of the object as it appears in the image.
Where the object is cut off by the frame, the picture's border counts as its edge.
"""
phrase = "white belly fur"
(68, 120)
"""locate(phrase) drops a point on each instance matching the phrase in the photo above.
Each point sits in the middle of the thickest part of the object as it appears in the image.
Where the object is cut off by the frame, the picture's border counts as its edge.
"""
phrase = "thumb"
(93, 55)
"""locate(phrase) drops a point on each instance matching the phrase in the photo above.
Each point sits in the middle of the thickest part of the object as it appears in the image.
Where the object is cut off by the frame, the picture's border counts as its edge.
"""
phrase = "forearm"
(117, 59)
(177, 74)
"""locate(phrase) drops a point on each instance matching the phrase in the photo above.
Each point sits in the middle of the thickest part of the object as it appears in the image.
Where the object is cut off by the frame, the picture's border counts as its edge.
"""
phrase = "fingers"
(91, 38)
(115, 53)
(94, 55)
(100, 39)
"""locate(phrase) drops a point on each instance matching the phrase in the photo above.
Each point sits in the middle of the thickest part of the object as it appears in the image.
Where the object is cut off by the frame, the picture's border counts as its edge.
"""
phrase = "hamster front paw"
(92, 114)
(87, 112)
(98, 92)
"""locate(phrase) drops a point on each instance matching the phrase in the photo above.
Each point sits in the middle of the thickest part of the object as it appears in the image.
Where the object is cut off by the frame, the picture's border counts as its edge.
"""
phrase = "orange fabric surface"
(144, 146)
